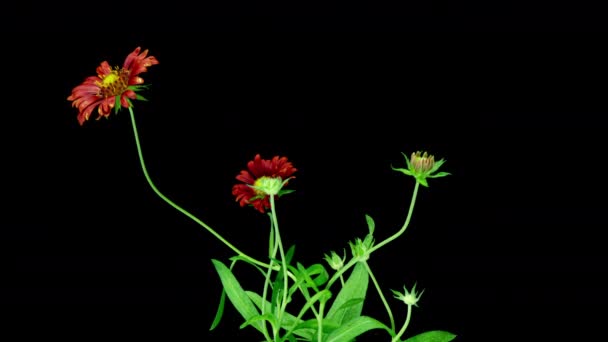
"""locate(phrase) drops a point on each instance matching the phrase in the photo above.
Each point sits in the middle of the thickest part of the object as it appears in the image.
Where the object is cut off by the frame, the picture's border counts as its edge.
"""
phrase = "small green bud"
(334, 261)
(409, 298)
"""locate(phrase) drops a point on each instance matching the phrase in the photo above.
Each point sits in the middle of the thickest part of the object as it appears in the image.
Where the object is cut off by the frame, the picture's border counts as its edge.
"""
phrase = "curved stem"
(388, 308)
(353, 261)
(180, 209)
(407, 222)
(407, 322)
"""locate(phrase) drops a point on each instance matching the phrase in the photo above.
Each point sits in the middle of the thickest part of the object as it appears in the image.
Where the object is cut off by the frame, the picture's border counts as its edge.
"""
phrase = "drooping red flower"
(262, 173)
(111, 88)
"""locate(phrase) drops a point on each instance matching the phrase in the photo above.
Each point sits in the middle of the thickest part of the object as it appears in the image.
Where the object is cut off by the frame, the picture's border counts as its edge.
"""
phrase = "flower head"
(262, 179)
(111, 88)
(422, 166)
(409, 298)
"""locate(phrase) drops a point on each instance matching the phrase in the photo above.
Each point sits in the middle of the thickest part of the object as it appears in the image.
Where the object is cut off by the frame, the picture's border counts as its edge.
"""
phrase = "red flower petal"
(93, 93)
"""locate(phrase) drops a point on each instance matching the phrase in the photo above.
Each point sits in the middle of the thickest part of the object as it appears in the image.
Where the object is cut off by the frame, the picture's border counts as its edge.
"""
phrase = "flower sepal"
(407, 297)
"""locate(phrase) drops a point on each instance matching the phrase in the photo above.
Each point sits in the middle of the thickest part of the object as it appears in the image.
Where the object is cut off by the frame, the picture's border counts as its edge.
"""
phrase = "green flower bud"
(422, 166)
(334, 261)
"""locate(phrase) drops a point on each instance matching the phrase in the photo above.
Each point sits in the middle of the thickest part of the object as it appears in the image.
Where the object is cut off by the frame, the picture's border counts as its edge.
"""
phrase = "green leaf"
(355, 327)
(307, 279)
(288, 319)
(305, 329)
(407, 161)
(370, 224)
(440, 174)
(284, 192)
(220, 311)
(322, 275)
(432, 336)
(117, 104)
(289, 254)
(236, 294)
(351, 302)
(354, 288)
(328, 325)
(261, 318)
(422, 180)
(405, 171)
(437, 165)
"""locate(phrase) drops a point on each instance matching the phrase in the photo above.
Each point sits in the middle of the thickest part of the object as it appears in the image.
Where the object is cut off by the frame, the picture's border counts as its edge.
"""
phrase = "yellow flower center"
(115, 83)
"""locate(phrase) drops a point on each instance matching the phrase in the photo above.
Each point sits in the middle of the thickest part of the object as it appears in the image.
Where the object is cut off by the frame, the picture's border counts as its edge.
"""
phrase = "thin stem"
(320, 321)
(180, 209)
(407, 222)
(272, 255)
(353, 261)
(277, 236)
(388, 308)
(407, 322)
(339, 272)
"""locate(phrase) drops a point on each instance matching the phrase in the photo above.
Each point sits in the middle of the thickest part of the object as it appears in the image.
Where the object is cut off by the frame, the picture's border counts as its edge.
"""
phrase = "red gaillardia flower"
(264, 178)
(111, 88)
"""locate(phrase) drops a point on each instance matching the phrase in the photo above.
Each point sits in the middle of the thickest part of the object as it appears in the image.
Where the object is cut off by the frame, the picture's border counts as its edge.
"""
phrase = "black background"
(510, 246)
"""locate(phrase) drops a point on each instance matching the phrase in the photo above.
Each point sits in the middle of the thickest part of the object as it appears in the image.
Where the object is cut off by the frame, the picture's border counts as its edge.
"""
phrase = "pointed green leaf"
(236, 294)
(422, 181)
(220, 311)
(437, 165)
(440, 174)
(406, 171)
(289, 254)
(285, 192)
(349, 330)
(370, 224)
(117, 104)
(432, 336)
(354, 288)
(407, 161)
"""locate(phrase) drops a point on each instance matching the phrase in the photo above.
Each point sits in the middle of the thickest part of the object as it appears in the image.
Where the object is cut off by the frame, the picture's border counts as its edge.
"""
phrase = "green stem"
(267, 279)
(407, 322)
(407, 222)
(320, 321)
(353, 261)
(277, 237)
(388, 308)
(341, 271)
(180, 209)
